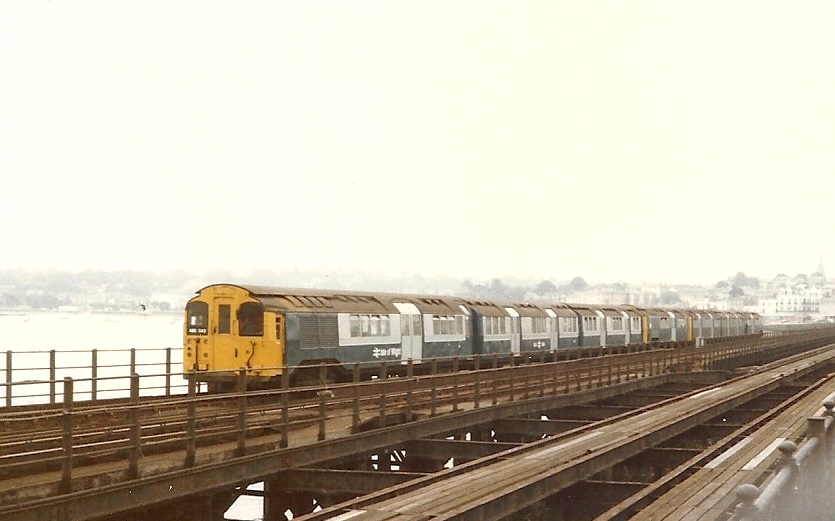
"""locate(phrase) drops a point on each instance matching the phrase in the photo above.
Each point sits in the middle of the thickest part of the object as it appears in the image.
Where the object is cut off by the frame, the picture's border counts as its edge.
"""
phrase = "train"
(266, 330)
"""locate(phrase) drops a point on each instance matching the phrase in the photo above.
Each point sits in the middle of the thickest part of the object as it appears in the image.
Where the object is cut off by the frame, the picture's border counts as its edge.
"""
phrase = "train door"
(220, 332)
(197, 335)
(515, 331)
(627, 328)
(689, 328)
(250, 341)
(553, 328)
(411, 332)
(604, 327)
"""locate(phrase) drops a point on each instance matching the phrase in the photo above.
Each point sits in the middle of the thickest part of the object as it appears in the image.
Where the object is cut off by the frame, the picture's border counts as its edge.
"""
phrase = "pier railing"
(801, 486)
(35, 377)
(32, 378)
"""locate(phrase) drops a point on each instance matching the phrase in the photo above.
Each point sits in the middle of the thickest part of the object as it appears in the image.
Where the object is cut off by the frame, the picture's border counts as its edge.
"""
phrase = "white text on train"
(391, 351)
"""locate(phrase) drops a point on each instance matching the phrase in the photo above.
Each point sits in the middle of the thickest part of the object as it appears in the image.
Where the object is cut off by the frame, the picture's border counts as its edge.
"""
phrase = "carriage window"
(224, 319)
(404, 325)
(363, 326)
(568, 324)
(538, 325)
(447, 325)
(197, 320)
(250, 319)
(356, 327)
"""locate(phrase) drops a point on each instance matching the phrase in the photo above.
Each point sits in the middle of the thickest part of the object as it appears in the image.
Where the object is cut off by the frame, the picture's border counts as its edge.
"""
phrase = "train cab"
(226, 329)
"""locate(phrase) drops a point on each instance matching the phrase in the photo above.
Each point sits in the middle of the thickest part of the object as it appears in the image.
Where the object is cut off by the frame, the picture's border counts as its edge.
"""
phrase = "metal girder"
(588, 412)
(661, 457)
(535, 427)
(340, 481)
(610, 491)
(445, 449)
(639, 399)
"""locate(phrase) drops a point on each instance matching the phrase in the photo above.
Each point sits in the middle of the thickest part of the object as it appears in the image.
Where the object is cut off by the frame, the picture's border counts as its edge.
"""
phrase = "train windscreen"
(251, 319)
(197, 318)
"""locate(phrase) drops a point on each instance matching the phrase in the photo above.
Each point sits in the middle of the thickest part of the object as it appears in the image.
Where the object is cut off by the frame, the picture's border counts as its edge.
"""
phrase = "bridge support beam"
(277, 501)
(205, 507)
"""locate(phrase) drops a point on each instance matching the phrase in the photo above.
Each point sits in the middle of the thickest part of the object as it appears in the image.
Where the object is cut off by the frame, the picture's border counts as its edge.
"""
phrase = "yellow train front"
(227, 329)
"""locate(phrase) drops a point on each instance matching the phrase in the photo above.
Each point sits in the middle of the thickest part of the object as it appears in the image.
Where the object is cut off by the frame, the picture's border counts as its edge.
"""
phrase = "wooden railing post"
(356, 416)
(135, 428)
(94, 375)
(167, 371)
(526, 376)
(285, 407)
(434, 391)
(383, 378)
(191, 425)
(52, 376)
(241, 384)
(477, 384)
(9, 379)
(66, 444)
(512, 379)
(409, 400)
(495, 379)
(455, 384)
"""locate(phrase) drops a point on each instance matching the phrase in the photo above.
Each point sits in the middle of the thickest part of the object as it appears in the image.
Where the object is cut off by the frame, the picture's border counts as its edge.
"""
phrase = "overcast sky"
(617, 141)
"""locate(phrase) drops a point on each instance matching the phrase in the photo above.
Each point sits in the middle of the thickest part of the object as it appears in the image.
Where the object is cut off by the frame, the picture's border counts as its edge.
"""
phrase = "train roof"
(283, 299)
(340, 301)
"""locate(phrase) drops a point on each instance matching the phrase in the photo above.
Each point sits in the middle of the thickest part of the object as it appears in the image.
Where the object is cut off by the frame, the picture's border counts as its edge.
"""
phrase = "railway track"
(502, 484)
(50, 453)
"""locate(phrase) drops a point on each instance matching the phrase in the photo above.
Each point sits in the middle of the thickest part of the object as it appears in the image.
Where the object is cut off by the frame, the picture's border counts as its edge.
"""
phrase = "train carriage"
(739, 324)
(715, 324)
(724, 324)
(613, 330)
(496, 327)
(568, 326)
(658, 325)
(537, 328)
(632, 320)
(756, 324)
(682, 325)
(702, 324)
(590, 325)
(446, 326)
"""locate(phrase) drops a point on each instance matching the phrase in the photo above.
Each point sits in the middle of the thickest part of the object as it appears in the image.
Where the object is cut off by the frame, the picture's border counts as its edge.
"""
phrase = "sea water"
(30, 336)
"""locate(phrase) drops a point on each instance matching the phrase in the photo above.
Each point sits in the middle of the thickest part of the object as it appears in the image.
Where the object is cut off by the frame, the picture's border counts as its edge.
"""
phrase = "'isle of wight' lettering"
(385, 353)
